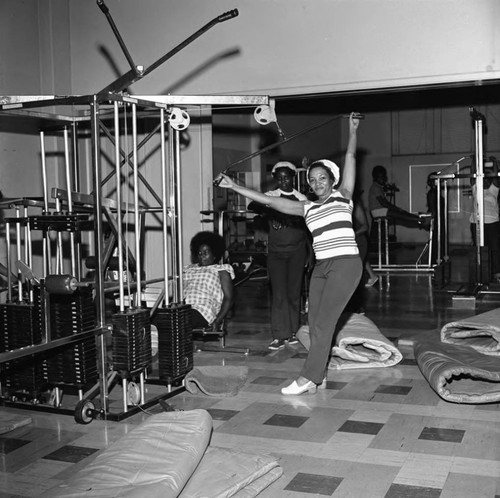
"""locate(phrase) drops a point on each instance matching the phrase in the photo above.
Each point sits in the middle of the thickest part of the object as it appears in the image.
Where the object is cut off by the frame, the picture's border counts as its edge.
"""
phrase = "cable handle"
(230, 14)
(102, 6)
(356, 115)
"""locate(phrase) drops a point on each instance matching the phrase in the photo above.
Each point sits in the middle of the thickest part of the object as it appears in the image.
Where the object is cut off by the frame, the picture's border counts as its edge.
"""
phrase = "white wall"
(289, 47)
(285, 47)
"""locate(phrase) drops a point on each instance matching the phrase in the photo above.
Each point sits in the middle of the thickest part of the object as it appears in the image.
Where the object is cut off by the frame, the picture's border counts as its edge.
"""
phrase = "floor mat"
(216, 380)
(10, 421)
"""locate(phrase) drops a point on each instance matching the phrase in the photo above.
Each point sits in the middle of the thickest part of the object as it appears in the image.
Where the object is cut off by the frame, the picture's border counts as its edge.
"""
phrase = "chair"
(221, 333)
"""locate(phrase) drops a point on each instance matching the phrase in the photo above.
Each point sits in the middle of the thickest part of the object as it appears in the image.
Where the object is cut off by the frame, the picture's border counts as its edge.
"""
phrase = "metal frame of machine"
(68, 211)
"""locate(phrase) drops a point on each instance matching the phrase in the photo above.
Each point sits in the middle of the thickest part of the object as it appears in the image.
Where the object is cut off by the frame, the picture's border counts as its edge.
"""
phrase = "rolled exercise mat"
(459, 374)
(481, 332)
(358, 343)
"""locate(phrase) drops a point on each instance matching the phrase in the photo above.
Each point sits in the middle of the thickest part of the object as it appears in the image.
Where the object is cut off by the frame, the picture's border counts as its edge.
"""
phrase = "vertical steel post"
(119, 226)
(137, 221)
(165, 207)
(175, 139)
(98, 250)
(69, 187)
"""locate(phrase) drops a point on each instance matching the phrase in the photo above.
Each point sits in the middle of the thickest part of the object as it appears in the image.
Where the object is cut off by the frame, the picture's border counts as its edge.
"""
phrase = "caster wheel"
(133, 394)
(84, 412)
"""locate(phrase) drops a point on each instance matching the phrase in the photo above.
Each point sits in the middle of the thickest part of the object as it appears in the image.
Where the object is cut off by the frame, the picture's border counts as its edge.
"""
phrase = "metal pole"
(119, 208)
(9, 278)
(446, 241)
(98, 250)
(174, 214)
(438, 221)
(479, 198)
(69, 186)
(479, 181)
(76, 188)
(18, 255)
(46, 240)
(164, 203)
(175, 139)
(137, 221)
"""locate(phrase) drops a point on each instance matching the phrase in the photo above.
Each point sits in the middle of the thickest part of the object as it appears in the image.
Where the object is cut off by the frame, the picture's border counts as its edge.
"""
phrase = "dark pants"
(198, 321)
(333, 282)
(492, 241)
(286, 275)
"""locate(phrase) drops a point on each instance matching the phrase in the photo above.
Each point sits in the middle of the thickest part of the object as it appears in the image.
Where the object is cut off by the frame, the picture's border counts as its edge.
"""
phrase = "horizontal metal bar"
(402, 268)
(208, 99)
(15, 354)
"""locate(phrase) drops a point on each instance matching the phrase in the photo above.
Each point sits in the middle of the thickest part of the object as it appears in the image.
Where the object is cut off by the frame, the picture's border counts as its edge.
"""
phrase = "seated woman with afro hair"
(208, 284)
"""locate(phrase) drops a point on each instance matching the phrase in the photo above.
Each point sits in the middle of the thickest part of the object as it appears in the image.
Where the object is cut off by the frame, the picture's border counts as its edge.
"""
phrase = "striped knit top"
(330, 224)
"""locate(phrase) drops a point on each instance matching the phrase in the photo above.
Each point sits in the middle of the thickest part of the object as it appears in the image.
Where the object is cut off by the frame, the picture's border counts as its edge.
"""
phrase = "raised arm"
(278, 203)
(349, 172)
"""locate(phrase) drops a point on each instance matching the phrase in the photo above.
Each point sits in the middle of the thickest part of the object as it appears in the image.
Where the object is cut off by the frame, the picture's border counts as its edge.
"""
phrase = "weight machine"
(478, 279)
(75, 340)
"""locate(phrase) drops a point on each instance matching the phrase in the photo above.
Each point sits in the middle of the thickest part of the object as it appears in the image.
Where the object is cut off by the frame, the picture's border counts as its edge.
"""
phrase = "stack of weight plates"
(131, 341)
(175, 342)
(75, 364)
(21, 326)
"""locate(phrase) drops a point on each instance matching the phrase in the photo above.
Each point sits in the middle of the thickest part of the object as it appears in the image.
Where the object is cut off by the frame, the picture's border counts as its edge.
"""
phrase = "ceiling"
(395, 99)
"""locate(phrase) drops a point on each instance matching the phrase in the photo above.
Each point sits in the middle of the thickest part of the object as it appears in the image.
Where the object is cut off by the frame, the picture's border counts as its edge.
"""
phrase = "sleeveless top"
(330, 224)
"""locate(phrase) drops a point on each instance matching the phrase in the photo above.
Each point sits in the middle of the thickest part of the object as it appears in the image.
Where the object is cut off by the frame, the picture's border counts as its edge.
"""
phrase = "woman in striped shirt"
(338, 267)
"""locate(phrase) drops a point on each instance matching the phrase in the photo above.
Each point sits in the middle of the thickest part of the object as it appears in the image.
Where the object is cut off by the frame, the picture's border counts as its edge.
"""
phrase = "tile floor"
(372, 433)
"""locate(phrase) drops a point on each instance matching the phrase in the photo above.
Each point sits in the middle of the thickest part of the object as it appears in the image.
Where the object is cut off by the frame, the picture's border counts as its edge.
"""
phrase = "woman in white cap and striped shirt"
(338, 267)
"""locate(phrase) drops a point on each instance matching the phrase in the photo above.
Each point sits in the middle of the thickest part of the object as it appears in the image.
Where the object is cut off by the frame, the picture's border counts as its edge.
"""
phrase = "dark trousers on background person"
(286, 275)
(492, 241)
(333, 281)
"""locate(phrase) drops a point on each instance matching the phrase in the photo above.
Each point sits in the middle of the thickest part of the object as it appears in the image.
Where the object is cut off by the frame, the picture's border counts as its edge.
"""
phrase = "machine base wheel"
(84, 412)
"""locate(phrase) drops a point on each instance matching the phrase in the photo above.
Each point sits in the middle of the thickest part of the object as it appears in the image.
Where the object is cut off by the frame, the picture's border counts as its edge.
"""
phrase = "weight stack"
(175, 342)
(21, 325)
(70, 314)
(131, 341)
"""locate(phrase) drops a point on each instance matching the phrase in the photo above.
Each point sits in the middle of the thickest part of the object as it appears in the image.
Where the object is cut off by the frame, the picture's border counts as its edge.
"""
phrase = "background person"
(381, 207)
(288, 254)
(208, 284)
(491, 217)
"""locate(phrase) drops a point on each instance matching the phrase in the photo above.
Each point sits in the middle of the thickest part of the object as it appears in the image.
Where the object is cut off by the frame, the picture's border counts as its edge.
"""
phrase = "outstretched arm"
(278, 203)
(349, 172)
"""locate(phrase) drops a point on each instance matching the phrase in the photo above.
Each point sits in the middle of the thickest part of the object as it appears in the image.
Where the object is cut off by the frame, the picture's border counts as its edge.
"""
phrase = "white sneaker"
(295, 389)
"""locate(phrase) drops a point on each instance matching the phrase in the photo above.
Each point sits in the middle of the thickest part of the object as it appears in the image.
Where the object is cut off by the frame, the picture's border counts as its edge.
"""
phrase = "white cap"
(329, 165)
(283, 164)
